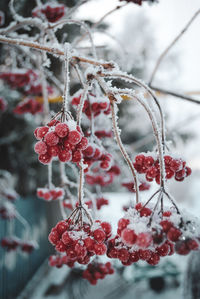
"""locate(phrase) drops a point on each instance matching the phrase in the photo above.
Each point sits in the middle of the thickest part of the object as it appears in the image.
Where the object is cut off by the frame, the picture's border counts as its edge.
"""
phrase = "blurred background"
(133, 36)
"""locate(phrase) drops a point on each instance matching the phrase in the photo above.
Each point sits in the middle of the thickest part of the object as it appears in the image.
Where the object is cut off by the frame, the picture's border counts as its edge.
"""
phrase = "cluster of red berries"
(3, 105)
(137, 240)
(25, 80)
(80, 243)
(93, 106)
(103, 179)
(98, 201)
(28, 106)
(102, 134)
(59, 260)
(13, 243)
(50, 194)
(63, 140)
(94, 153)
(96, 271)
(53, 13)
(7, 212)
(151, 168)
(130, 186)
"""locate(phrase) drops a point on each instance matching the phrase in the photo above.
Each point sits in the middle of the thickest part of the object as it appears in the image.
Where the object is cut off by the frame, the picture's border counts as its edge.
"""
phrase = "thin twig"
(53, 51)
(175, 94)
(164, 53)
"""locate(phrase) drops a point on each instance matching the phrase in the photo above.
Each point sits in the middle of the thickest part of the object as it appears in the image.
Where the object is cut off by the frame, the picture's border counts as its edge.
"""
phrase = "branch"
(175, 94)
(53, 51)
(171, 45)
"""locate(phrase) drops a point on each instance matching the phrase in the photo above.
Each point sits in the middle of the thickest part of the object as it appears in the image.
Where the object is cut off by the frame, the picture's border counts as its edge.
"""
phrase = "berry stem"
(122, 148)
(67, 78)
(50, 175)
(80, 106)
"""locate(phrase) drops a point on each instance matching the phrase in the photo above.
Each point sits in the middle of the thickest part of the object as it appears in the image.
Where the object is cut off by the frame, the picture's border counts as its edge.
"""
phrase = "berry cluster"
(94, 153)
(151, 168)
(60, 260)
(63, 140)
(103, 179)
(80, 243)
(28, 106)
(102, 134)
(130, 186)
(97, 271)
(25, 80)
(13, 243)
(50, 194)
(93, 106)
(3, 105)
(53, 13)
(137, 240)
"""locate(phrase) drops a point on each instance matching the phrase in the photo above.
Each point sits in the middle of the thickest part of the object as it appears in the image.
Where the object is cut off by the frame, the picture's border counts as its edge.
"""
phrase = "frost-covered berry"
(51, 139)
(40, 148)
(62, 130)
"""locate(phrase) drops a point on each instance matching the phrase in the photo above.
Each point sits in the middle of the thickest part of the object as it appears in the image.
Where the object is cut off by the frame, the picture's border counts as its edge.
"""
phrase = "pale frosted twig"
(175, 94)
(164, 53)
(54, 51)
(66, 77)
(81, 104)
(81, 24)
(156, 133)
(131, 78)
(44, 87)
(50, 175)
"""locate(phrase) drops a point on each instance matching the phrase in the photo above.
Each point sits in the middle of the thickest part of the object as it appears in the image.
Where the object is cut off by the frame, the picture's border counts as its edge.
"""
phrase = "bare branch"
(171, 45)
(175, 94)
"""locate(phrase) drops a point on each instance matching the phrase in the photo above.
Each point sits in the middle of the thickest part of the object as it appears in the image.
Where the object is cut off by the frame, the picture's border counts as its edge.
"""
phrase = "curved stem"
(156, 133)
(143, 85)
(67, 78)
(81, 104)
(122, 149)
(82, 24)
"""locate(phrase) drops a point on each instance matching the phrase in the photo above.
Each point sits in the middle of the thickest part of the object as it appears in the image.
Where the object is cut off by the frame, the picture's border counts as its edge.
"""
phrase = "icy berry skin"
(62, 140)
(96, 271)
(141, 237)
(151, 168)
(80, 243)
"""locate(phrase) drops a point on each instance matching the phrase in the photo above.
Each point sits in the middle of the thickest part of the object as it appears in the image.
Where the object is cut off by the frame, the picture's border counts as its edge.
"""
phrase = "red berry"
(100, 249)
(145, 212)
(128, 236)
(61, 227)
(65, 156)
(144, 240)
(40, 148)
(51, 139)
(123, 255)
(62, 130)
(99, 235)
(44, 159)
(173, 234)
(41, 132)
(74, 137)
